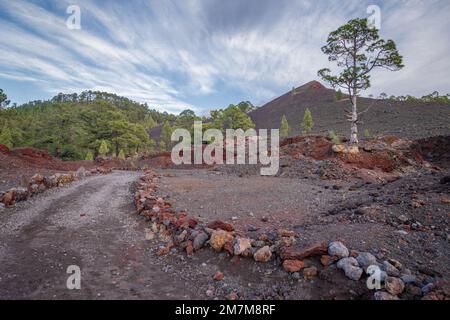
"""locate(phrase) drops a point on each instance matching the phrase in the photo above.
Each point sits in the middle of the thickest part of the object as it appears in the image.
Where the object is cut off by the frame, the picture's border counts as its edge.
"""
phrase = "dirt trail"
(91, 224)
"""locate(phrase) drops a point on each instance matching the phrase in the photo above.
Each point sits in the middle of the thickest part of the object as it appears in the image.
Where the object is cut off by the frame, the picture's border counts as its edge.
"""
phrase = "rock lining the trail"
(39, 183)
(178, 229)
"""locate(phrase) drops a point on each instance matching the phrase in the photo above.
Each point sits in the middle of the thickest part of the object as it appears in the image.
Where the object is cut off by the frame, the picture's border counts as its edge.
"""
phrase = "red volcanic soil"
(28, 161)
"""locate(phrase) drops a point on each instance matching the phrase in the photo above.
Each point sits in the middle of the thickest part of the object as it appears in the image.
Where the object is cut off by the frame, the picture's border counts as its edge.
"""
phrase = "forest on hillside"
(83, 126)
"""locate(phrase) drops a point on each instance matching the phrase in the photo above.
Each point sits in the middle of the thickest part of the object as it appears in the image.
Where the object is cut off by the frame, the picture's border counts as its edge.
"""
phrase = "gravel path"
(90, 224)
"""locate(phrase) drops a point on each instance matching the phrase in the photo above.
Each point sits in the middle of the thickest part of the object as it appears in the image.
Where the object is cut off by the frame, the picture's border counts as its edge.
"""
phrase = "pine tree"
(357, 49)
(6, 138)
(307, 123)
(285, 130)
(293, 91)
(166, 134)
(89, 156)
(103, 150)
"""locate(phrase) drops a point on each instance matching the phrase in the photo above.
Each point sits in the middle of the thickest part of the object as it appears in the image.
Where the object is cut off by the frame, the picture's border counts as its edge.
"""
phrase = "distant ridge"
(407, 119)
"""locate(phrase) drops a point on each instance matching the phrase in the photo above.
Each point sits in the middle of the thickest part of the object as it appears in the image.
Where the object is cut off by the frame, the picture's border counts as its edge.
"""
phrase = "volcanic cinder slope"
(411, 120)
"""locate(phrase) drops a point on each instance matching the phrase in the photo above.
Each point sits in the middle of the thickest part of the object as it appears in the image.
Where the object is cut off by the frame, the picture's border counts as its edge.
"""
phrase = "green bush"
(307, 123)
(334, 137)
(285, 130)
(89, 156)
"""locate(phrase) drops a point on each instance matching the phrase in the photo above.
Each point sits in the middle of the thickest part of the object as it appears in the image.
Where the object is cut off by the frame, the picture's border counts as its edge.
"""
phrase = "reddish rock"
(297, 253)
(219, 238)
(310, 273)
(189, 248)
(354, 253)
(263, 254)
(327, 260)
(165, 250)
(219, 224)
(184, 221)
(228, 247)
(8, 198)
(286, 233)
(241, 245)
(37, 178)
(394, 286)
(192, 223)
(218, 276)
(293, 265)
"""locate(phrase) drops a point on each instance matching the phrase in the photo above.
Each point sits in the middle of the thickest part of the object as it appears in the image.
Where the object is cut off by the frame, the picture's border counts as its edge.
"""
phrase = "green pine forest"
(84, 126)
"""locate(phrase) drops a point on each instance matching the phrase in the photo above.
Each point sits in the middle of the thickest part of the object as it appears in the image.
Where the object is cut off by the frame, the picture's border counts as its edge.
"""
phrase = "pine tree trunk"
(354, 127)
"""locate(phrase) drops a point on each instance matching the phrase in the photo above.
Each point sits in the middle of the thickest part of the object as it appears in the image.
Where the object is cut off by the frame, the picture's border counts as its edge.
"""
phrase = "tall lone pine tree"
(357, 49)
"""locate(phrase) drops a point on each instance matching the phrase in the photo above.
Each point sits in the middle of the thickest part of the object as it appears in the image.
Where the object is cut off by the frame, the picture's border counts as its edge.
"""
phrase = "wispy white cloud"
(170, 53)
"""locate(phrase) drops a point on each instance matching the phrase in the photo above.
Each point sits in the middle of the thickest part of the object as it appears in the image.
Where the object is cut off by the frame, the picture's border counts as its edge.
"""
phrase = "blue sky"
(205, 54)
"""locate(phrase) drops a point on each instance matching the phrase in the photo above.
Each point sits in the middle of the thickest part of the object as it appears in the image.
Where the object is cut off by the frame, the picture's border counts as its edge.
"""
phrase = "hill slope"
(406, 119)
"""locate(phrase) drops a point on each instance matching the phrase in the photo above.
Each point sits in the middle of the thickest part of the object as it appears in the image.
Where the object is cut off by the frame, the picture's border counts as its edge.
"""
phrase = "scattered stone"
(394, 286)
(233, 296)
(149, 234)
(403, 219)
(293, 265)
(427, 289)
(229, 248)
(252, 228)
(353, 273)
(264, 219)
(189, 248)
(8, 198)
(327, 260)
(218, 276)
(263, 254)
(259, 243)
(338, 249)
(200, 240)
(351, 268)
(2, 207)
(241, 245)
(296, 253)
(219, 238)
(219, 224)
(366, 259)
(390, 269)
(182, 236)
(382, 295)
(309, 273)
(210, 293)
(347, 261)
(413, 290)
(80, 173)
(165, 250)
(395, 263)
